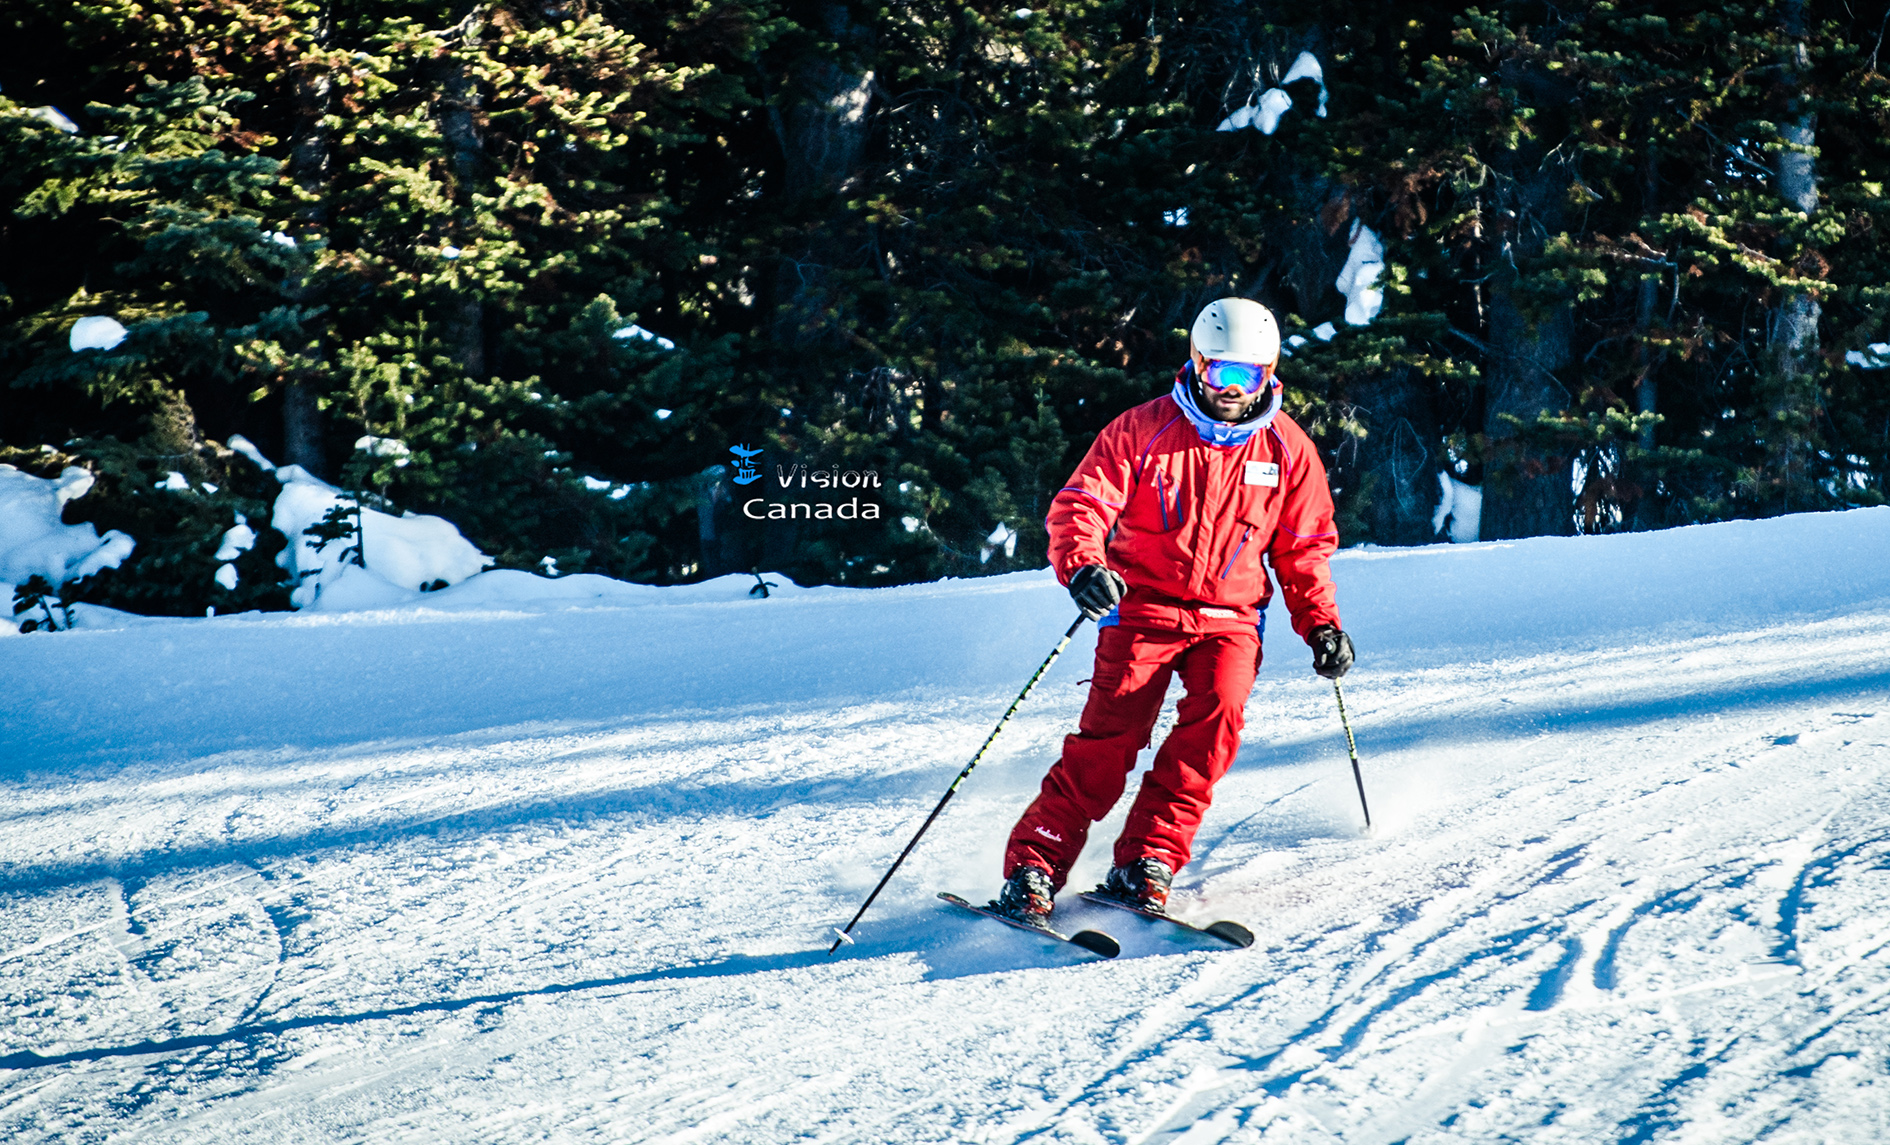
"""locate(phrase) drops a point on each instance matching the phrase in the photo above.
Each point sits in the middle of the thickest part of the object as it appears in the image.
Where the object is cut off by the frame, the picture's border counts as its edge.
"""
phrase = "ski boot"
(1027, 897)
(1142, 884)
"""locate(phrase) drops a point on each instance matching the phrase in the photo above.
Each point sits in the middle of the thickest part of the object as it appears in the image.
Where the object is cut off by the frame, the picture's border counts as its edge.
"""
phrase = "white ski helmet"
(1237, 330)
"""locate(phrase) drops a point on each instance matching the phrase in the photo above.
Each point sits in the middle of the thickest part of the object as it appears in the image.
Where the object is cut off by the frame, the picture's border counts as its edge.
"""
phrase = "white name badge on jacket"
(1261, 473)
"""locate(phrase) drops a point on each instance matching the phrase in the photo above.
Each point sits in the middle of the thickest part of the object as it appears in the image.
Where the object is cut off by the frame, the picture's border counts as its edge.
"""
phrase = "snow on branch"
(1876, 356)
(97, 333)
(1358, 278)
(635, 331)
(1003, 537)
(35, 542)
(1306, 67)
(385, 447)
(55, 117)
(1263, 115)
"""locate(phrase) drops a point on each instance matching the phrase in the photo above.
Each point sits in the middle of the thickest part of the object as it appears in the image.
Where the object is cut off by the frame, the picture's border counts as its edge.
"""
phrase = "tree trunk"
(309, 152)
(822, 135)
(824, 128)
(1794, 327)
(459, 105)
(1647, 388)
(1395, 459)
(1531, 495)
(309, 155)
(466, 334)
(1526, 491)
(302, 428)
(719, 545)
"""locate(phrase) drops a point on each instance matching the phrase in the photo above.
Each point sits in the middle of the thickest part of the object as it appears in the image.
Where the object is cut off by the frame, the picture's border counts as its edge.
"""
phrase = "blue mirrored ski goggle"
(1248, 377)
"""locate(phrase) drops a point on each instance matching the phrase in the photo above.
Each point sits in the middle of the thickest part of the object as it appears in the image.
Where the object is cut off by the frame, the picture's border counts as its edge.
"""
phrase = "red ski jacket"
(1185, 522)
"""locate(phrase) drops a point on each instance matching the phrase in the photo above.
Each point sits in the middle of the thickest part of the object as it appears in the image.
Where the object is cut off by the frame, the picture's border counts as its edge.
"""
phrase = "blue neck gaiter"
(1219, 432)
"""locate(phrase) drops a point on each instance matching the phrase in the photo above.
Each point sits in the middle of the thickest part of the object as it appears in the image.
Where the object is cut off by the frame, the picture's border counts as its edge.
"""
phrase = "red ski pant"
(1133, 668)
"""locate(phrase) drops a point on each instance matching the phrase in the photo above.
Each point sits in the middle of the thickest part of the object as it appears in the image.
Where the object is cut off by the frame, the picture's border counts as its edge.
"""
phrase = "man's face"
(1230, 404)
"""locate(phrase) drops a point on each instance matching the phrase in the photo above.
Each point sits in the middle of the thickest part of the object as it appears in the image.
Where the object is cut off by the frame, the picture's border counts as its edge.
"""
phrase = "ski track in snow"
(1624, 890)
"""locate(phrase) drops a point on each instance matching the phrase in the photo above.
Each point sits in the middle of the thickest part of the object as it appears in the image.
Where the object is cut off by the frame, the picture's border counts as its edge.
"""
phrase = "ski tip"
(1231, 932)
(1096, 942)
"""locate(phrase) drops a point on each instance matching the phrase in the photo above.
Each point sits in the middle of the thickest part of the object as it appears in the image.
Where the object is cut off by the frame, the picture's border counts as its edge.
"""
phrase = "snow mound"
(1460, 508)
(1550, 595)
(516, 590)
(400, 554)
(573, 875)
(35, 542)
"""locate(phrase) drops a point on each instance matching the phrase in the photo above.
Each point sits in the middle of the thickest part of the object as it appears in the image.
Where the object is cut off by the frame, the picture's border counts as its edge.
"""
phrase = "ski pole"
(1352, 747)
(845, 935)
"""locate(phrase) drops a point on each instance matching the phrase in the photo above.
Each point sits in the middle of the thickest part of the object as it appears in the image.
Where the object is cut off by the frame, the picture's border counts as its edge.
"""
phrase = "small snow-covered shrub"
(41, 554)
(341, 542)
(33, 607)
(185, 511)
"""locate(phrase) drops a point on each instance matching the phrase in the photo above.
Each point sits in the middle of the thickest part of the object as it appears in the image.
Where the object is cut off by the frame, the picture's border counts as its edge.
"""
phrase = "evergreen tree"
(538, 268)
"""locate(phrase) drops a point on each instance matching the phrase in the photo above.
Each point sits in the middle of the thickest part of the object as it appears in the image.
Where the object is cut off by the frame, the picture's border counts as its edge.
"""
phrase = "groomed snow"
(528, 859)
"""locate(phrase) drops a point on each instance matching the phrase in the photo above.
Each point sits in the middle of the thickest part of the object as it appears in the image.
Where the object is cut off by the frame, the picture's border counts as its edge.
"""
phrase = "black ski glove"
(1096, 590)
(1331, 651)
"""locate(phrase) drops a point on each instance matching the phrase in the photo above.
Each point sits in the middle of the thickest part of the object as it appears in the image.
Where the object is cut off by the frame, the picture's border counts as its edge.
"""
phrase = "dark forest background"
(1632, 262)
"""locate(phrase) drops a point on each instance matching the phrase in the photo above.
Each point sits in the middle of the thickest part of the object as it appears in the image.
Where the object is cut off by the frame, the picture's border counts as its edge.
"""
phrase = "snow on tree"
(35, 544)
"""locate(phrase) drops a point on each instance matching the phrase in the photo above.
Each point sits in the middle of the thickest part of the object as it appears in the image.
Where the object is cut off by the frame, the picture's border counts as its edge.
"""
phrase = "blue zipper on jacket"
(1161, 498)
(1244, 534)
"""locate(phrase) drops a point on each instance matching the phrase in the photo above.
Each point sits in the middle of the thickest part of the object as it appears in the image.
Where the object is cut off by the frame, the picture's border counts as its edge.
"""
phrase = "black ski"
(1228, 931)
(1094, 941)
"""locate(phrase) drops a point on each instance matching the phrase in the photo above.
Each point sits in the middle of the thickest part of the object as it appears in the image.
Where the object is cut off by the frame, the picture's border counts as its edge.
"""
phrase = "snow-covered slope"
(560, 860)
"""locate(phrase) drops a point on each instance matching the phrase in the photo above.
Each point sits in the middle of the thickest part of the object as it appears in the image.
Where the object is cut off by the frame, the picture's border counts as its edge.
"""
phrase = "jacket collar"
(1216, 432)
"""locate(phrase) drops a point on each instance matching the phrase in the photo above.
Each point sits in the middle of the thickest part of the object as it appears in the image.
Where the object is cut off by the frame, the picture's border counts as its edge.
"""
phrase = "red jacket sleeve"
(1086, 508)
(1305, 539)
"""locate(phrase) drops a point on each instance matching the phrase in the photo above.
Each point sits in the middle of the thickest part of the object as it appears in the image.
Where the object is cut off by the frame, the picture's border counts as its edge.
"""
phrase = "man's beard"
(1208, 406)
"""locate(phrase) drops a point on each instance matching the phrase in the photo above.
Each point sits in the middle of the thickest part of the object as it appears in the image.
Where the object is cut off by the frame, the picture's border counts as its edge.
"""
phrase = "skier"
(1159, 536)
